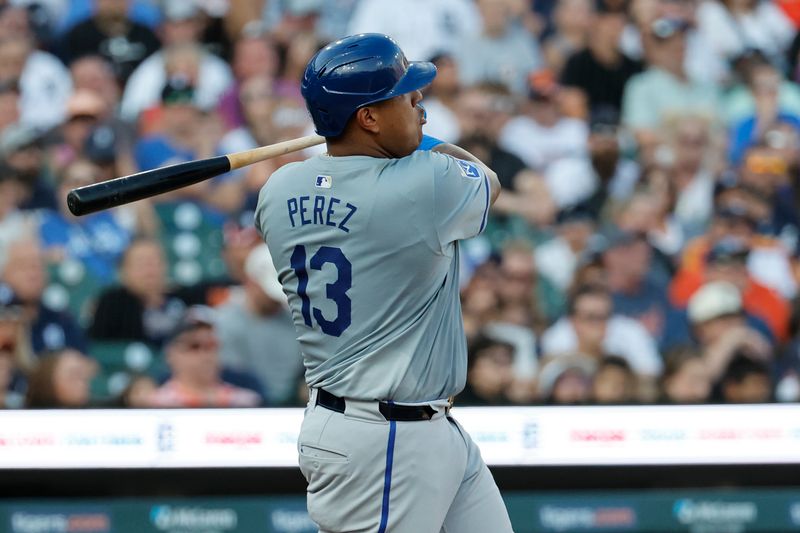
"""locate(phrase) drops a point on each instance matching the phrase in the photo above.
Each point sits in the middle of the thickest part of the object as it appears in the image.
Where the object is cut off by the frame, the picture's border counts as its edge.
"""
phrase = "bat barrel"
(120, 191)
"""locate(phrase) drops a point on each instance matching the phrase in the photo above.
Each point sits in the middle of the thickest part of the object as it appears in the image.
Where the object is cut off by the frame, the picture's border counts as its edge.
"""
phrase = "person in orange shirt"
(727, 261)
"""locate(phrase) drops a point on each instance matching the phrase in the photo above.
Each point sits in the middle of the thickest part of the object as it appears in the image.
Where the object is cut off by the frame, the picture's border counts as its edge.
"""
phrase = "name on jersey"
(320, 210)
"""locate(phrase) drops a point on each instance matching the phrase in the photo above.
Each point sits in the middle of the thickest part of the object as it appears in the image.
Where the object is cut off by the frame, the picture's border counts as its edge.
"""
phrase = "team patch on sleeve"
(469, 170)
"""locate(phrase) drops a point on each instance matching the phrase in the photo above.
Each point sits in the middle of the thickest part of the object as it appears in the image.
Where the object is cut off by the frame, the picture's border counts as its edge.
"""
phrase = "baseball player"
(365, 241)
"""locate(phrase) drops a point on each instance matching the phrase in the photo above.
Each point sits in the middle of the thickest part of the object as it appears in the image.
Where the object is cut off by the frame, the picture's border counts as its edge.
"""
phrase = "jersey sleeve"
(460, 198)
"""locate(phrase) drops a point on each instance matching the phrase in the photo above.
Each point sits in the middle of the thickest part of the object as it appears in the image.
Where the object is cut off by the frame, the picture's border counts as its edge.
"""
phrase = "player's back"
(363, 250)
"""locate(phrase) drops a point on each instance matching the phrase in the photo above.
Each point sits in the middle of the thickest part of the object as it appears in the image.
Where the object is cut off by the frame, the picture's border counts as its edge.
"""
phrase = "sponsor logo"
(36, 439)
(40, 522)
(663, 434)
(190, 519)
(166, 437)
(285, 521)
(103, 440)
(571, 518)
(597, 435)
(741, 434)
(530, 435)
(235, 439)
(323, 182)
(725, 515)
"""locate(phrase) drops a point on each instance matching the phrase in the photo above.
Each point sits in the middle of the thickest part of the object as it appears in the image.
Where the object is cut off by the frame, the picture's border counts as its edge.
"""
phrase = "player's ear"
(367, 118)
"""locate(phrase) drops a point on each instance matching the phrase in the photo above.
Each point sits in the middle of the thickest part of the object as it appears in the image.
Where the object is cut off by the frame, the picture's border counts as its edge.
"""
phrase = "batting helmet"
(356, 71)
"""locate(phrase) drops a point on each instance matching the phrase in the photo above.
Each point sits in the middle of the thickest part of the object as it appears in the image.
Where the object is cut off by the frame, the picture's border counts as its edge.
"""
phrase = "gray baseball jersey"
(366, 252)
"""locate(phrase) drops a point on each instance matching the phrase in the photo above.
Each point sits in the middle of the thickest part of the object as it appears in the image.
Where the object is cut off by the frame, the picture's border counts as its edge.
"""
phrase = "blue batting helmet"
(356, 71)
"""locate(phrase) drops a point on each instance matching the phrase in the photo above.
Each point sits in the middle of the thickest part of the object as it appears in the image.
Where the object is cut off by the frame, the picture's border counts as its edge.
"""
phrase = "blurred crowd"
(645, 249)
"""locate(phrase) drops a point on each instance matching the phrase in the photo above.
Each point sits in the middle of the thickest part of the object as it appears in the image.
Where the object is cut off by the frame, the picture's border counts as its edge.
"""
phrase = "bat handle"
(248, 157)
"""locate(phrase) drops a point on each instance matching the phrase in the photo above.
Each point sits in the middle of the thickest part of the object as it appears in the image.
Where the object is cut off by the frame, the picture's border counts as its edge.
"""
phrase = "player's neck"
(347, 145)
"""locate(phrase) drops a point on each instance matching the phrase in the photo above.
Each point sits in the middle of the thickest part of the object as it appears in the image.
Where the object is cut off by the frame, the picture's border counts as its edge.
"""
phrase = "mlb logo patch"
(469, 170)
(323, 182)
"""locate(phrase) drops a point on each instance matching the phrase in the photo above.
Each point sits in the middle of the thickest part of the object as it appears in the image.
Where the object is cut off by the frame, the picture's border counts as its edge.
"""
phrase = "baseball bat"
(120, 191)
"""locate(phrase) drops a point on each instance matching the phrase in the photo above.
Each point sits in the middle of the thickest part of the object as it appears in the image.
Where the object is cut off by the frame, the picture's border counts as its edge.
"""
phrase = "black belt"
(390, 411)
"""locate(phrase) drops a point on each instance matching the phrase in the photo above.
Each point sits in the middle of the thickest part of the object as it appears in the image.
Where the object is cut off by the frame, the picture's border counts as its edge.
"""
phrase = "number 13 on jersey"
(336, 291)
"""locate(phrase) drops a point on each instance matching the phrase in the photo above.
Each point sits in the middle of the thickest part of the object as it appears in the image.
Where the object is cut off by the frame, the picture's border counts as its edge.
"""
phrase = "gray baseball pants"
(368, 475)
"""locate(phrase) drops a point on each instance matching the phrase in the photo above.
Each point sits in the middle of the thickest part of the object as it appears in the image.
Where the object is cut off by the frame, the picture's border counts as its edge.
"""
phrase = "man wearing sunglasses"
(193, 357)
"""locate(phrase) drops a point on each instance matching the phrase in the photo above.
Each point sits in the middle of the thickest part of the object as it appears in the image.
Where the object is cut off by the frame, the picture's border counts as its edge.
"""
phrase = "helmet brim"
(418, 75)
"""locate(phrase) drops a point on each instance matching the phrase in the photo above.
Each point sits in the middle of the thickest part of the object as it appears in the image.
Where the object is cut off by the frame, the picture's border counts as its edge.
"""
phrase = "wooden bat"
(120, 191)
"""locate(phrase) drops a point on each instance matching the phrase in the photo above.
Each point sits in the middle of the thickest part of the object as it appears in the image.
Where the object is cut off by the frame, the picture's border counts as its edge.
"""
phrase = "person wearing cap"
(597, 74)
(637, 290)
(731, 251)
(557, 258)
(182, 26)
(193, 357)
(21, 149)
(256, 331)
(665, 87)
(720, 327)
(109, 23)
(85, 109)
(97, 240)
(566, 380)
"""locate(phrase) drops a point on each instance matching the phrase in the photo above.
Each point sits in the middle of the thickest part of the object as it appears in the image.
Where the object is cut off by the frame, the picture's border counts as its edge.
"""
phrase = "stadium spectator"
(730, 259)
(61, 379)
(13, 222)
(16, 356)
(566, 380)
(23, 272)
(182, 27)
(193, 358)
(503, 52)
(614, 382)
(109, 32)
(733, 27)
(551, 143)
(142, 307)
(557, 258)
(490, 374)
(635, 289)
(686, 378)
(21, 149)
(597, 74)
(435, 27)
(256, 330)
(185, 134)
(85, 110)
(692, 171)
(139, 393)
(43, 81)
(572, 21)
(721, 329)
(441, 100)
(96, 240)
(94, 73)
(253, 55)
(615, 174)
(664, 88)
(592, 329)
(746, 380)
(523, 290)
